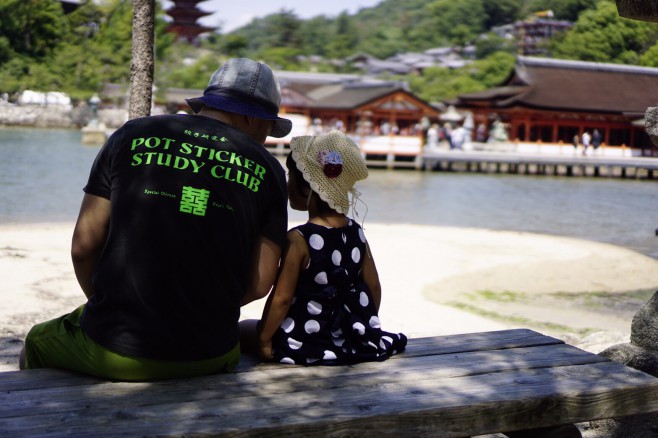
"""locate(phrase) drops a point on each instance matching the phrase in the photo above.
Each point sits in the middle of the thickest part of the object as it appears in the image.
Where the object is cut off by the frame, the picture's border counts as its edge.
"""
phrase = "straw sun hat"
(331, 163)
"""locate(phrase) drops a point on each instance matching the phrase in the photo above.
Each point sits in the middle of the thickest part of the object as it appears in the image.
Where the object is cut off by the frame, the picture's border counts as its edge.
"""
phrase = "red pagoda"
(185, 14)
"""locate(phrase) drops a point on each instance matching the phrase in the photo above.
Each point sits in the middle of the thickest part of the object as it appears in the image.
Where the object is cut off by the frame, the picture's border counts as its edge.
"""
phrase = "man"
(183, 221)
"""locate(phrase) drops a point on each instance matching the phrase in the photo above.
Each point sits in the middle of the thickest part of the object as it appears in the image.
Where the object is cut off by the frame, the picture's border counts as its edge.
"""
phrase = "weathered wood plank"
(43, 378)
(426, 406)
(495, 340)
(286, 379)
(449, 344)
(444, 386)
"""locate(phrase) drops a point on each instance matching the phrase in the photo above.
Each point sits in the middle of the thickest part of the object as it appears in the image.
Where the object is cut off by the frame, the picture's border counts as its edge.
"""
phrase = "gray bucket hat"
(247, 87)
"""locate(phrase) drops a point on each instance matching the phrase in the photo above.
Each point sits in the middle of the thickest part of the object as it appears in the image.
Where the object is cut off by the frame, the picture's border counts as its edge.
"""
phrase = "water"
(42, 173)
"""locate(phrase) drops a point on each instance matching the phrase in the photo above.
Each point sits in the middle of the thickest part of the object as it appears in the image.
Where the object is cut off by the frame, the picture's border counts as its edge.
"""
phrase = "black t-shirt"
(189, 197)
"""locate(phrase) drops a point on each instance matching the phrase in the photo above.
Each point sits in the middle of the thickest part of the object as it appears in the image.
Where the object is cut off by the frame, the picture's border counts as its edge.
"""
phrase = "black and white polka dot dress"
(332, 319)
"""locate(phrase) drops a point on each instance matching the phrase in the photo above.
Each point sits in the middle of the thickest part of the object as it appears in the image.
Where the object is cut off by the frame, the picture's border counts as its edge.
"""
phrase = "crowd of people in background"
(586, 140)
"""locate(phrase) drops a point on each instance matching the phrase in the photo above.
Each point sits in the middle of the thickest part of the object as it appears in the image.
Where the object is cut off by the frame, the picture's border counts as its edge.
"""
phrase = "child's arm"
(279, 301)
(371, 277)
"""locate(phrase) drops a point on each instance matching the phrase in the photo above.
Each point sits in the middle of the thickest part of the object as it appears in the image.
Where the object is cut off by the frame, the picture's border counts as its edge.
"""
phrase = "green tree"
(32, 27)
(499, 12)
(281, 58)
(490, 43)
(492, 70)
(601, 35)
(563, 9)
(234, 45)
(73, 59)
(193, 76)
(439, 83)
(460, 21)
(314, 34)
(345, 38)
(650, 57)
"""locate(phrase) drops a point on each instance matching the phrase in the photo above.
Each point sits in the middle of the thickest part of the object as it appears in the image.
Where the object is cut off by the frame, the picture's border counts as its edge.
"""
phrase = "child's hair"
(330, 164)
(303, 185)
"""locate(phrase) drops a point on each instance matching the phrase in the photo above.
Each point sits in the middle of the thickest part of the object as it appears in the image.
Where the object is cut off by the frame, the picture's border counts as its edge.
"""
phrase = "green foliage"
(500, 12)
(32, 27)
(43, 49)
(13, 74)
(460, 21)
(234, 45)
(490, 43)
(600, 35)
(650, 57)
(195, 75)
(344, 39)
(314, 35)
(563, 9)
(439, 83)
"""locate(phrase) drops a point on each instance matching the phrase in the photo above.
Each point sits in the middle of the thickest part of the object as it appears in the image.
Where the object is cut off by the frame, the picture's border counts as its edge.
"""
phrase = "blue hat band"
(238, 105)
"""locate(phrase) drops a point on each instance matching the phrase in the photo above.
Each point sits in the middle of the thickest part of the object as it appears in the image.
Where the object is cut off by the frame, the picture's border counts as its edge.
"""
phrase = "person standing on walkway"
(586, 141)
(574, 142)
(183, 220)
(596, 140)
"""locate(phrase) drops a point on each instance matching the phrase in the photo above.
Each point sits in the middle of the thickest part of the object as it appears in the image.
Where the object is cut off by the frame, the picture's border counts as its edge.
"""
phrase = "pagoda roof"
(179, 11)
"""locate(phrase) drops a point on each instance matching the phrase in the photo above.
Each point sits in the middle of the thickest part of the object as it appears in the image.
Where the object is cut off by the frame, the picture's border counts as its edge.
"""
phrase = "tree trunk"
(142, 65)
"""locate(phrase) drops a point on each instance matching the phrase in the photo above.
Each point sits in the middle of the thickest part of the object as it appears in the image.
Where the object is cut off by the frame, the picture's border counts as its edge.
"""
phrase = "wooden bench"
(444, 386)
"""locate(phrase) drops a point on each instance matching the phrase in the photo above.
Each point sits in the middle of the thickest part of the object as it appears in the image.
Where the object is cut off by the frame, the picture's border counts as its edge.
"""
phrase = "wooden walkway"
(445, 386)
(407, 152)
(567, 164)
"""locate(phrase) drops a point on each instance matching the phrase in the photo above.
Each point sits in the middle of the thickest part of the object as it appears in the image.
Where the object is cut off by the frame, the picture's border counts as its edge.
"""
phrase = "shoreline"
(435, 281)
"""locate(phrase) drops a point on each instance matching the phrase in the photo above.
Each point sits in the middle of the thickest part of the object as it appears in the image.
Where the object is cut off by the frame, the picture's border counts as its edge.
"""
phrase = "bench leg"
(565, 431)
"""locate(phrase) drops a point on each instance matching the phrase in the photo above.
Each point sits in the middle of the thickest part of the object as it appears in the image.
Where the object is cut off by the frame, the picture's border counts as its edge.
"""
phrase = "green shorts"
(61, 343)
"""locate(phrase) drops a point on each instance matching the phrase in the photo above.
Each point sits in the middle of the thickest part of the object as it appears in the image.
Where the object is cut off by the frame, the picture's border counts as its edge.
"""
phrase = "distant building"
(532, 34)
(353, 102)
(185, 14)
(408, 63)
(551, 100)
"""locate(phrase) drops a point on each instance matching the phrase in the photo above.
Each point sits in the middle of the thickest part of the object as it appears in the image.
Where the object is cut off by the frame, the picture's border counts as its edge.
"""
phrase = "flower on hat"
(331, 162)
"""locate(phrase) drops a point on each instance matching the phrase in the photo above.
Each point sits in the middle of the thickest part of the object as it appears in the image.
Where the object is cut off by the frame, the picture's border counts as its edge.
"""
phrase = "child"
(324, 306)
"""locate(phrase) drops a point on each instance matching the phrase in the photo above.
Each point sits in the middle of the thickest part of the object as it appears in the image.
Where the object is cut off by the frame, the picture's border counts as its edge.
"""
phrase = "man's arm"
(89, 238)
(263, 270)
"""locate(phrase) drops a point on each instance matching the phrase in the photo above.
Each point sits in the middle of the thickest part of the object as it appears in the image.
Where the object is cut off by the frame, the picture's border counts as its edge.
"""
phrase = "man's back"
(189, 196)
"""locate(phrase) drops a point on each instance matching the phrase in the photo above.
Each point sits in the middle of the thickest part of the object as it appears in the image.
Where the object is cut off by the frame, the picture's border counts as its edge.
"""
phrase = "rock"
(599, 341)
(54, 116)
(36, 115)
(644, 329)
(651, 123)
(635, 426)
(633, 356)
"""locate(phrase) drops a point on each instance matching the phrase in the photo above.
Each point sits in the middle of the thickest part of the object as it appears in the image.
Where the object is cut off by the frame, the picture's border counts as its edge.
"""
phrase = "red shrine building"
(552, 100)
(185, 14)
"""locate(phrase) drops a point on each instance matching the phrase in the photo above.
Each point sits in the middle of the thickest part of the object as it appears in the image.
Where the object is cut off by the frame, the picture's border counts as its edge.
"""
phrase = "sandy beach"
(435, 281)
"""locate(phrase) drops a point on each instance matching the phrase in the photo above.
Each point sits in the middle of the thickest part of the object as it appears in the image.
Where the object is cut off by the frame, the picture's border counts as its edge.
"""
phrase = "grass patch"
(640, 295)
(540, 325)
(609, 302)
(501, 297)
